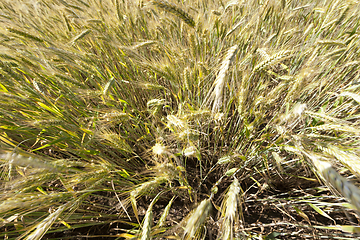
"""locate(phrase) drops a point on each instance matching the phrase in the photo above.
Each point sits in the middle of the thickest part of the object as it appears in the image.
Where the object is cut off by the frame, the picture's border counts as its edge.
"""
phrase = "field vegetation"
(179, 119)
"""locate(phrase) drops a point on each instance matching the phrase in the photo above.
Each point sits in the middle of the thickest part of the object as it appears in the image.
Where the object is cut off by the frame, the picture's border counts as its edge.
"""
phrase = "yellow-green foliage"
(220, 109)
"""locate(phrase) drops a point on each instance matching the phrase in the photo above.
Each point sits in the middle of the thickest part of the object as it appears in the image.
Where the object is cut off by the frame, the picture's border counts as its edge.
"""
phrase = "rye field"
(179, 119)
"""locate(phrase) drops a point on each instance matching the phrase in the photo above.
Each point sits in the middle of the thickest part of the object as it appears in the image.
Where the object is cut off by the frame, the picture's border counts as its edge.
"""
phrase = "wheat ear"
(144, 188)
(337, 127)
(271, 60)
(16, 98)
(26, 200)
(172, 8)
(164, 215)
(45, 224)
(346, 188)
(351, 161)
(325, 117)
(230, 211)
(354, 96)
(146, 229)
(197, 218)
(20, 160)
(25, 34)
(80, 36)
(219, 83)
